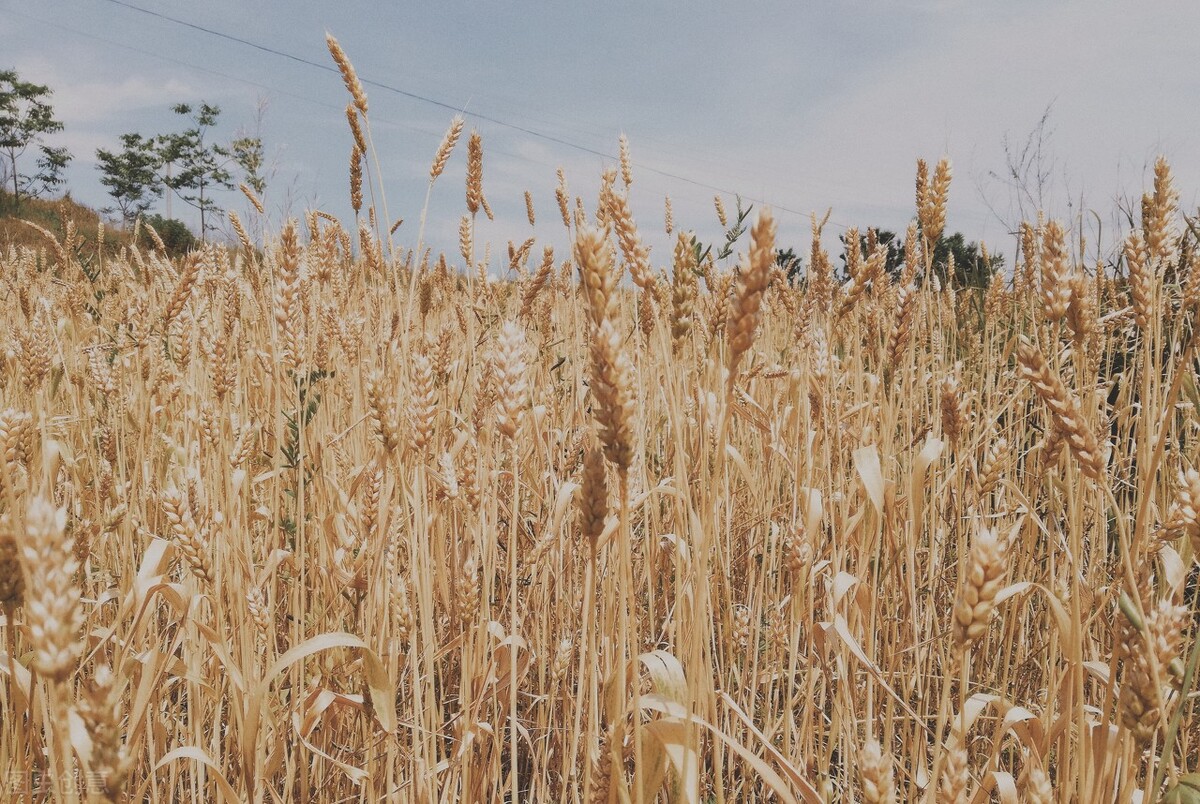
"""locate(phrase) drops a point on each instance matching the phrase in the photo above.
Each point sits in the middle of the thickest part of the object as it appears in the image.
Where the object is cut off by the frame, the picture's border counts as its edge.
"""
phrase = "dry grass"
(305, 525)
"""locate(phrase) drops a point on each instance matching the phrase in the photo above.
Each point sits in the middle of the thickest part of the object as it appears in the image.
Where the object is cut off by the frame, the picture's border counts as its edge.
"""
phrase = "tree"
(893, 259)
(175, 235)
(131, 176)
(970, 268)
(790, 263)
(248, 154)
(26, 118)
(202, 167)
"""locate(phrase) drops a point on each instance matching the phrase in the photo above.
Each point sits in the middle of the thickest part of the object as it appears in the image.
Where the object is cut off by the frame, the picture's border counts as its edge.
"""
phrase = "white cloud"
(102, 101)
(90, 89)
(994, 74)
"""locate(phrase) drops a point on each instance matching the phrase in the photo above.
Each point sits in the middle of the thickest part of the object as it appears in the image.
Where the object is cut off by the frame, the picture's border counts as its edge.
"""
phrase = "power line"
(170, 59)
(390, 88)
(443, 105)
(434, 134)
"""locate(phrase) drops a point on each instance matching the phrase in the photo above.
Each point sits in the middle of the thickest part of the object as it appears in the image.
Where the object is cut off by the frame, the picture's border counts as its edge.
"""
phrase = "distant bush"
(175, 235)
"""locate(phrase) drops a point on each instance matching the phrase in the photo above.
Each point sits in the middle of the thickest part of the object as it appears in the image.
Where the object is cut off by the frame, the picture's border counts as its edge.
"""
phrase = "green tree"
(895, 251)
(247, 153)
(195, 167)
(255, 168)
(26, 117)
(791, 264)
(971, 270)
(175, 235)
(131, 176)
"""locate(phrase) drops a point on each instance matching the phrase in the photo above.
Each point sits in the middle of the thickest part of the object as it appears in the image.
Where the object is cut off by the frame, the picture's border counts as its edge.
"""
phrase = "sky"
(803, 106)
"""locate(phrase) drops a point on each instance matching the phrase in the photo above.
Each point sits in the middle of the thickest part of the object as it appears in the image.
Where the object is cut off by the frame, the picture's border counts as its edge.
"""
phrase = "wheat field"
(329, 518)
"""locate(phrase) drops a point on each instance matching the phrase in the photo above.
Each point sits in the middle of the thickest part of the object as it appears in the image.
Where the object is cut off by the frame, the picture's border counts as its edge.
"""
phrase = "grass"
(54, 216)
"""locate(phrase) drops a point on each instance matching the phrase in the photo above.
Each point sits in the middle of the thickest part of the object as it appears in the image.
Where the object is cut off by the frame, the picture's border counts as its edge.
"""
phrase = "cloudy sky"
(805, 106)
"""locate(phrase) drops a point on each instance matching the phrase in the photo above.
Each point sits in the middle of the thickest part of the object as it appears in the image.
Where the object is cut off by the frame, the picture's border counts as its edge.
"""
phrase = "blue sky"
(806, 106)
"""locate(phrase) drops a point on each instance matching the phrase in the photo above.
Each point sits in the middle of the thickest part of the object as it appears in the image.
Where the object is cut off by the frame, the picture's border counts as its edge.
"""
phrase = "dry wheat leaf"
(866, 461)
(201, 756)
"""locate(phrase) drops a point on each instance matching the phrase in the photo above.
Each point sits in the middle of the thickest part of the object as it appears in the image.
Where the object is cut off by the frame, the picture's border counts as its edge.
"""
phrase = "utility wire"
(434, 134)
(443, 105)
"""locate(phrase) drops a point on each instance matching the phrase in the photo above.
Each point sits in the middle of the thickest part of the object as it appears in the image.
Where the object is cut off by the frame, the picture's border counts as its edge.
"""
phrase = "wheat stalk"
(349, 76)
(449, 140)
(746, 312)
(1064, 408)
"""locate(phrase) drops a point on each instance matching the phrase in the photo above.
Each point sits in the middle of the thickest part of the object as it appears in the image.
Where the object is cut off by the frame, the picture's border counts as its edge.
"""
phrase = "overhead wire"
(532, 132)
(434, 133)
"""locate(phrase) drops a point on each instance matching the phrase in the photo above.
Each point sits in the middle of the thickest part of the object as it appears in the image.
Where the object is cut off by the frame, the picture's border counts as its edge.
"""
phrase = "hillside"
(54, 216)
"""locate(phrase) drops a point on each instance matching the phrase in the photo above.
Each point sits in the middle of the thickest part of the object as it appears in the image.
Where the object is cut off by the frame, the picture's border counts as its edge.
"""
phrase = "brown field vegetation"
(332, 521)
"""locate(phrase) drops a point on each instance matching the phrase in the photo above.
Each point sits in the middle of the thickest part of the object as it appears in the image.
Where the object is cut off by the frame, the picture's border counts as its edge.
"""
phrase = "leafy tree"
(131, 176)
(247, 153)
(788, 260)
(970, 268)
(26, 117)
(202, 167)
(895, 251)
(175, 235)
